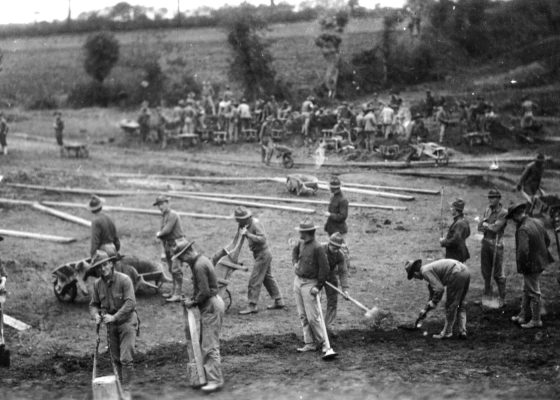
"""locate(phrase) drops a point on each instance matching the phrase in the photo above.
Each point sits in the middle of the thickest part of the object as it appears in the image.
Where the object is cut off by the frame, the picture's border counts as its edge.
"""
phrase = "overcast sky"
(24, 11)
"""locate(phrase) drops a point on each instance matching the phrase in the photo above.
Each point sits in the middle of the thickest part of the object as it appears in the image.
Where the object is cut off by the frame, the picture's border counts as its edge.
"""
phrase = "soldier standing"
(58, 126)
(113, 302)
(169, 233)
(530, 180)
(459, 231)
(532, 256)
(492, 226)
(337, 214)
(144, 121)
(212, 309)
(103, 230)
(338, 275)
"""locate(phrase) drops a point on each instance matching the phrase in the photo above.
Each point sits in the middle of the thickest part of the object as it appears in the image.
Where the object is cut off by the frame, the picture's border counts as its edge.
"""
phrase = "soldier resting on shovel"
(212, 309)
(113, 302)
(338, 275)
(442, 274)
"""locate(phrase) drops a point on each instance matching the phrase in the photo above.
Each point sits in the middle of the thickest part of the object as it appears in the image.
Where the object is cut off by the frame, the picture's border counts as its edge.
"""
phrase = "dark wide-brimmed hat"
(181, 246)
(336, 239)
(539, 157)
(494, 193)
(100, 257)
(411, 267)
(417, 116)
(1, 238)
(514, 208)
(95, 204)
(242, 213)
(161, 199)
(458, 204)
(306, 226)
(334, 182)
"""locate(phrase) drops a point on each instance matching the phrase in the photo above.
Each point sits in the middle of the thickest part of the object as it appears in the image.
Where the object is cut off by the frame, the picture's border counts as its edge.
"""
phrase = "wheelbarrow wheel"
(287, 161)
(66, 294)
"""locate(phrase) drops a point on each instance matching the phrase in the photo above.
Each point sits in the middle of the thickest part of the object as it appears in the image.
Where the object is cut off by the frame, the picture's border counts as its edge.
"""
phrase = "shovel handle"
(356, 302)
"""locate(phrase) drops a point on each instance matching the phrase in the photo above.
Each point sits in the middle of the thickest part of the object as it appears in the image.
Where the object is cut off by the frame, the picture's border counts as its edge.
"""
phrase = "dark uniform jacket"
(530, 180)
(205, 283)
(114, 296)
(312, 262)
(496, 219)
(338, 207)
(170, 229)
(103, 231)
(454, 243)
(337, 267)
(531, 243)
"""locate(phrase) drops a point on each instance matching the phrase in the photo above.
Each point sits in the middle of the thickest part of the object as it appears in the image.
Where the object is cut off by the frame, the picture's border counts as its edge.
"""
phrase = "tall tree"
(101, 55)
(252, 62)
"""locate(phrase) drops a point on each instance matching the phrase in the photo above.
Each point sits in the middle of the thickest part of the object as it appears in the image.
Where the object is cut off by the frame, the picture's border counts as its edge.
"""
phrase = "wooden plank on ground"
(99, 192)
(370, 192)
(245, 203)
(394, 188)
(288, 200)
(16, 323)
(38, 236)
(137, 210)
(63, 215)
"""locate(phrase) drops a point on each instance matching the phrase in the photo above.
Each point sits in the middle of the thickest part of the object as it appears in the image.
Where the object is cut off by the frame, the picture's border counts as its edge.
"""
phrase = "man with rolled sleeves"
(252, 229)
(459, 231)
(493, 225)
(169, 233)
(532, 256)
(212, 309)
(311, 268)
(113, 303)
(338, 275)
(103, 230)
(441, 275)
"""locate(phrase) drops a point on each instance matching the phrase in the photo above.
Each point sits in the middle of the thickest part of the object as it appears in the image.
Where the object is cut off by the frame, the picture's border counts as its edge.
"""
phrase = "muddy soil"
(53, 360)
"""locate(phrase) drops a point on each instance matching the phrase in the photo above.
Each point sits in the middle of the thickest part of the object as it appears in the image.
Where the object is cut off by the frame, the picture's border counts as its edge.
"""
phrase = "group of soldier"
(316, 266)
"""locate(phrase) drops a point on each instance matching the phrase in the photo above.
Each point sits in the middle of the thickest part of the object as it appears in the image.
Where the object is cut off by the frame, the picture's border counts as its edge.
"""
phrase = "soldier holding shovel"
(442, 274)
(113, 302)
(492, 226)
(212, 309)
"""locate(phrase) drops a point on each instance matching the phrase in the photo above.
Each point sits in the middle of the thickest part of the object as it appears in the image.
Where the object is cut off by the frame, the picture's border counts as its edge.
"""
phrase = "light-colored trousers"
(308, 311)
(262, 275)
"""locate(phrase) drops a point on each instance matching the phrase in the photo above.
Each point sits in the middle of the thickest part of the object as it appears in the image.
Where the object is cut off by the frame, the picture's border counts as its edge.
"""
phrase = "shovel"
(417, 324)
(4, 353)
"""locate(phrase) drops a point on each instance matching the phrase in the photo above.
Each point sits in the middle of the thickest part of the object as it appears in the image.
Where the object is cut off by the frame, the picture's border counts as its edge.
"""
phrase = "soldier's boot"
(487, 289)
(5, 150)
(462, 324)
(169, 294)
(521, 318)
(177, 290)
(446, 332)
(535, 321)
(127, 378)
(502, 294)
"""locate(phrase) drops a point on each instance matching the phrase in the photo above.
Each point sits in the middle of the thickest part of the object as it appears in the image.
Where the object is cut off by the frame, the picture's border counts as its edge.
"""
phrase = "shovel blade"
(4, 357)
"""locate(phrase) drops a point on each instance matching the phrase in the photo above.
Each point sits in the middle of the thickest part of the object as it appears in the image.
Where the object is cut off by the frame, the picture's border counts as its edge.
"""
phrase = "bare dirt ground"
(54, 359)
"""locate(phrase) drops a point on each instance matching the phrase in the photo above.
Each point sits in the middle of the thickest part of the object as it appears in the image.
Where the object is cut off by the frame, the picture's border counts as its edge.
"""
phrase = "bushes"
(93, 94)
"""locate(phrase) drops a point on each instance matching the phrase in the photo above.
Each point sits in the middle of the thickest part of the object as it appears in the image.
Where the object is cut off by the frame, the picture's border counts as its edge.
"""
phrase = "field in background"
(35, 67)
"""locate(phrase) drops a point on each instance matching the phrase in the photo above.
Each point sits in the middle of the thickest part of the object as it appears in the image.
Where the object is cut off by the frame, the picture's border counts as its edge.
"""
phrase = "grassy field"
(36, 67)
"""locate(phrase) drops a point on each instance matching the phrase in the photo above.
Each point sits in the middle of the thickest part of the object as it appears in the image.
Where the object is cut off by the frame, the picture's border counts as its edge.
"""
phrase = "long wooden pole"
(286, 199)
(191, 178)
(370, 192)
(63, 215)
(16, 323)
(99, 192)
(395, 188)
(39, 236)
(244, 203)
(138, 210)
